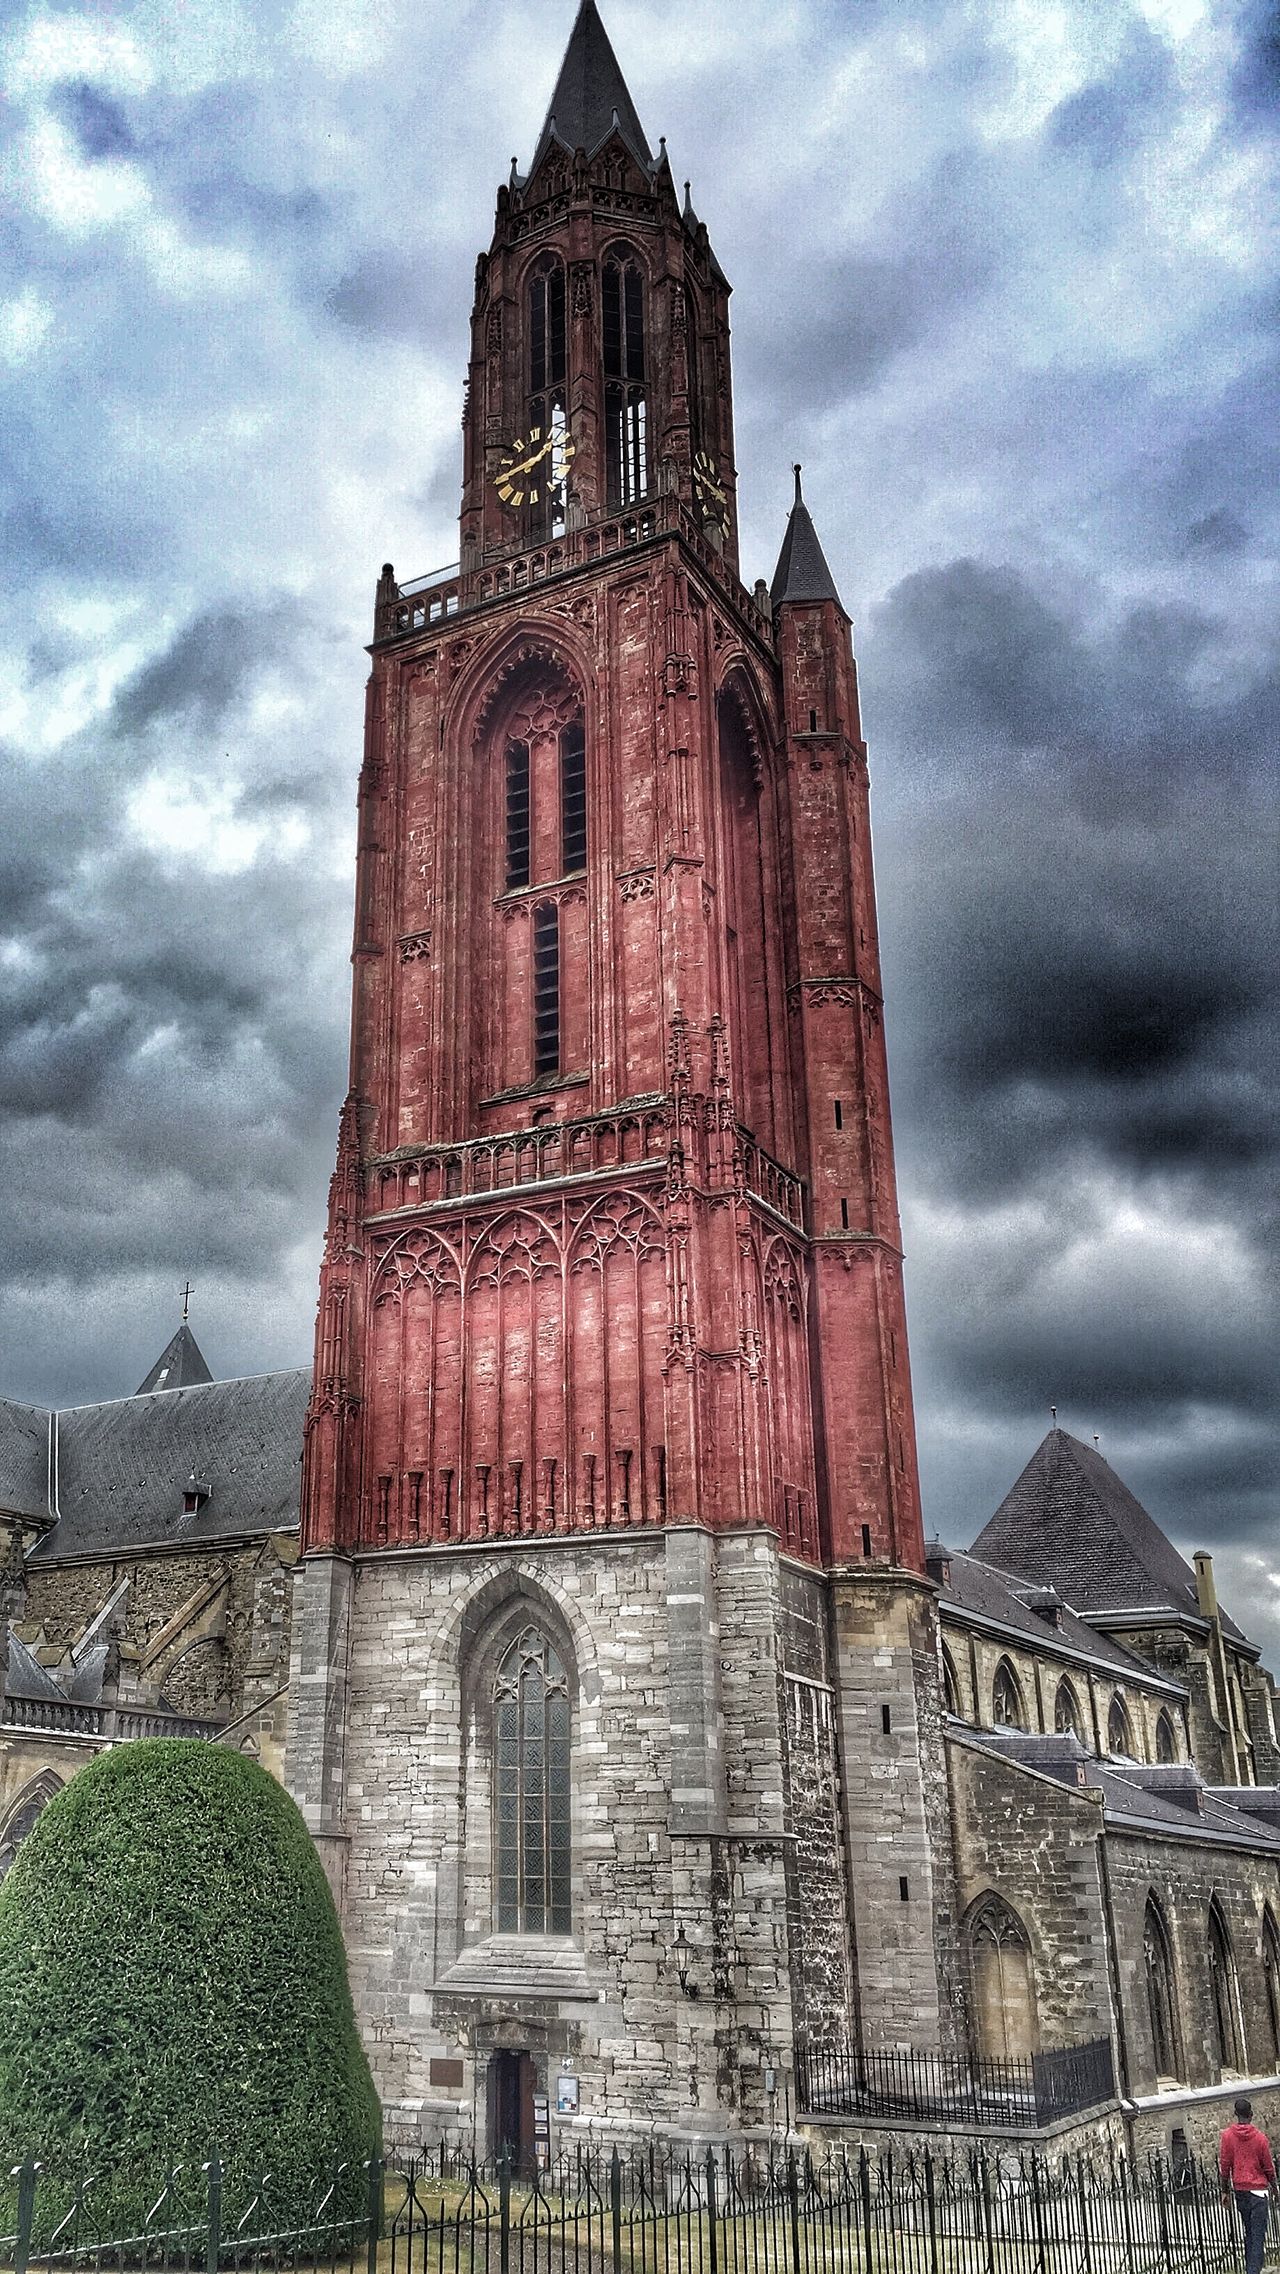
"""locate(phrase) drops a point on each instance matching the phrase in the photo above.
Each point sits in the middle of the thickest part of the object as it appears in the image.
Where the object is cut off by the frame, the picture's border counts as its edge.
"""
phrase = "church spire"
(802, 572)
(591, 99)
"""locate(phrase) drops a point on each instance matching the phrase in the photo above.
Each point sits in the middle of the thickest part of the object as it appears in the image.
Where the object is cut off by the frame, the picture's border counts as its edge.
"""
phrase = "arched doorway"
(1001, 1973)
(512, 2080)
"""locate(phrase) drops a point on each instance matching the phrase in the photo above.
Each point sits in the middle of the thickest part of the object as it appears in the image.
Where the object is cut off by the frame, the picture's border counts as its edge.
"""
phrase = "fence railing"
(66, 1717)
(588, 2213)
(951, 2089)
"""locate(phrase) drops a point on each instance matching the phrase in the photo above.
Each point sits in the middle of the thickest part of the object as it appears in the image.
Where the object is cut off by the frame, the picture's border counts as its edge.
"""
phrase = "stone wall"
(975, 1658)
(1033, 1842)
(699, 1811)
(1185, 1876)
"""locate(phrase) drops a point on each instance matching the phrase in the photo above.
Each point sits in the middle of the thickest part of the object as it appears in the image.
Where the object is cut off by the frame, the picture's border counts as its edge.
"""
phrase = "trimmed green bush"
(173, 1982)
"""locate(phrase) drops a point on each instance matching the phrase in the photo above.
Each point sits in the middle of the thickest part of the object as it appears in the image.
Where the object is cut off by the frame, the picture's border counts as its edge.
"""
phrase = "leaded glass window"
(531, 1788)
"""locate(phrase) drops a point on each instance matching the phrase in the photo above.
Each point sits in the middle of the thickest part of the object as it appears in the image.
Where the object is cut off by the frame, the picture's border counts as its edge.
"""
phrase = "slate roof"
(1070, 1519)
(26, 1677)
(122, 1467)
(179, 1366)
(24, 1460)
(1134, 1798)
(802, 572)
(1000, 1596)
(589, 90)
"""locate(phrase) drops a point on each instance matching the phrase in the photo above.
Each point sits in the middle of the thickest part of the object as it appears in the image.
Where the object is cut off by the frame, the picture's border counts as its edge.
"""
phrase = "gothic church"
(620, 1704)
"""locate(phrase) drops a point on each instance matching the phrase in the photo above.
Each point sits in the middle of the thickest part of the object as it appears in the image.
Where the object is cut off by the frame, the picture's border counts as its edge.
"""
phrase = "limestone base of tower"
(714, 1685)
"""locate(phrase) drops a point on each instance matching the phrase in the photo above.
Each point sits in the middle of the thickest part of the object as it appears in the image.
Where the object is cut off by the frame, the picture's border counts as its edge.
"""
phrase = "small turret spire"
(802, 572)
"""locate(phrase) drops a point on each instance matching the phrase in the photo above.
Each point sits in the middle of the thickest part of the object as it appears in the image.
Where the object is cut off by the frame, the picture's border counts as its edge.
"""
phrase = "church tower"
(614, 1679)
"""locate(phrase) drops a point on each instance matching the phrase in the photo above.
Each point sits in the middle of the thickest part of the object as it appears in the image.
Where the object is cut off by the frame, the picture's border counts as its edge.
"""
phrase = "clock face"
(709, 490)
(535, 464)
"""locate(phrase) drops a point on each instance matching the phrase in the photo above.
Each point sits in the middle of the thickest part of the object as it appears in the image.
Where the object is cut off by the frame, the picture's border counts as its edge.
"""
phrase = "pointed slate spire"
(591, 97)
(180, 1366)
(802, 572)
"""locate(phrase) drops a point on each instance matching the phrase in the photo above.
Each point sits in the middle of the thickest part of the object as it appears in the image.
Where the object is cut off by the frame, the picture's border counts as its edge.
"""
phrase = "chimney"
(1206, 1592)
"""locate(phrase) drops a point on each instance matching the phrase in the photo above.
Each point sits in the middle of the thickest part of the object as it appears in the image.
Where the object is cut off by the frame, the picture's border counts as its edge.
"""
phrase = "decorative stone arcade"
(611, 1373)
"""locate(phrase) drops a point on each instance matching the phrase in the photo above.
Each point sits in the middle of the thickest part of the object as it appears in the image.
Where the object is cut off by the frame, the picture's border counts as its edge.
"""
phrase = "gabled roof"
(179, 1366)
(1069, 1519)
(802, 572)
(1000, 1598)
(24, 1461)
(121, 1469)
(588, 92)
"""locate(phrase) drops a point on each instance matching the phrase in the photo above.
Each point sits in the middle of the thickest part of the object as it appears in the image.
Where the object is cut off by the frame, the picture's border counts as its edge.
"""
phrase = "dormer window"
(195, 1493)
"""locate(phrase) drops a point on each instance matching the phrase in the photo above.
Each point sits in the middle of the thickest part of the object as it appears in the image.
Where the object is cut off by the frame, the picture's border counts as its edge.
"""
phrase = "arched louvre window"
(1222, 1990)
(546, 990)
(625, 398)
(1166, 1742)
(1119, 1735)
(1007, 1709)
(531, 1788)
(518, 815)
(1066, 1712)
(1271, 1979)
(573, 797)
(548, 418)
(1158, 1968)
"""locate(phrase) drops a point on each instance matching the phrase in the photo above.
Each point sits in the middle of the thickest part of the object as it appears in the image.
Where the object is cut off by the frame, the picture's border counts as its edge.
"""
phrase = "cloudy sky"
(1006, 281)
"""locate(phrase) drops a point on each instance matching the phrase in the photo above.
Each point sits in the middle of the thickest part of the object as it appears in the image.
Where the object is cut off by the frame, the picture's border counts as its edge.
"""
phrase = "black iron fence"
(945, 2090)
(719, 2213)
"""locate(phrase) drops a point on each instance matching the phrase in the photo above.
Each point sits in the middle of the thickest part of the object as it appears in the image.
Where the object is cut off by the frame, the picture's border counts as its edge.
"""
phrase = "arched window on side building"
(1003, 1984)
(1157, 1964)
(1066, 1712)
(1007, 1708)
(1223, 1992)
(531, 1778)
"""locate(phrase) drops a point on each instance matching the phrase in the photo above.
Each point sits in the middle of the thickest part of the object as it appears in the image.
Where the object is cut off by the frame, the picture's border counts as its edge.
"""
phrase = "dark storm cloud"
(202, 673)
(1256, 80)
(98, 124)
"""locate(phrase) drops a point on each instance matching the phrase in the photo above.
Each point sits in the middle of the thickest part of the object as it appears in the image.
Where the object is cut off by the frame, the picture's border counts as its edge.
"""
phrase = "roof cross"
(187, 1292)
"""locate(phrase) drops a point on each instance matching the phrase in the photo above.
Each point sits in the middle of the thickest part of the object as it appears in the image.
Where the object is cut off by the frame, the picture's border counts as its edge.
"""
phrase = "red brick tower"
(616, 947)
(613, 1246)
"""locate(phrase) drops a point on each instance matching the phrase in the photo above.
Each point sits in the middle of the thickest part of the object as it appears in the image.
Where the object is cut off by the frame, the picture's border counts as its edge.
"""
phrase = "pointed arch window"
(1157, 1965)
(1271, 1978)
(531, 1769)
(1007, 1708)
(573, 797)
(1066, 1712)
(25, 1814)
(626, 409)
(1166, 1740)
(1004, 2003)
(547, 411)
(950, 1684)
(1222, 1991)
(1119, 1734)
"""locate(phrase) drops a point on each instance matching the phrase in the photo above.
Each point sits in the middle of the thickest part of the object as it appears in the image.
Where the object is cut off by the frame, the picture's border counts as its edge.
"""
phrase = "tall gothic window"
(1157, 1966)
(1066, 1711)
(950, 1684)
(1166, 1742)
(626, 409)
(531, 1757)
(1119, 1734)
(1271, 1978)
(547, 411)
(1222, 1990)
(1007, 1709)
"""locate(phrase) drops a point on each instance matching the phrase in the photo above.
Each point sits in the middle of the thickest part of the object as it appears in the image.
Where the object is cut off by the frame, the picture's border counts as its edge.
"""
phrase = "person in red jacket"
(1246, 2165)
